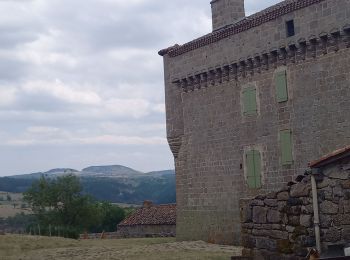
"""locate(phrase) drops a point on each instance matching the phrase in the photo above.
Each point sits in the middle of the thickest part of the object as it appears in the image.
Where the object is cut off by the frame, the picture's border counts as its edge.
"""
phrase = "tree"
(59, 202)
(8, 197)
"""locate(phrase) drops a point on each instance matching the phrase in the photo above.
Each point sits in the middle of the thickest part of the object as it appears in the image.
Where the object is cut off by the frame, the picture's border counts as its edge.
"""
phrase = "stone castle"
(251, 103)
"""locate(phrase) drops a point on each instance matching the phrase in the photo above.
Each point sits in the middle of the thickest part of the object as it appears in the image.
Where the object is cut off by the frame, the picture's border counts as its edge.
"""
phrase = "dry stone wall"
(280, 224)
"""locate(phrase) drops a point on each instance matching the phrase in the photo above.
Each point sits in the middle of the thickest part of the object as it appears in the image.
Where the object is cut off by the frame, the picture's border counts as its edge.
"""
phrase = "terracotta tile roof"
(153, 215)
(330, 157)
(269, 14)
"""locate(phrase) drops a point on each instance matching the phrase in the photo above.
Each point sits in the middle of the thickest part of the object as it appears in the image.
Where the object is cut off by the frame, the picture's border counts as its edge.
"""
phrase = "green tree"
(60, 203)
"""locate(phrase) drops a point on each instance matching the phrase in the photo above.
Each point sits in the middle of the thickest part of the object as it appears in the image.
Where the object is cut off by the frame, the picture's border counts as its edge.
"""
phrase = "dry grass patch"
(41, 248)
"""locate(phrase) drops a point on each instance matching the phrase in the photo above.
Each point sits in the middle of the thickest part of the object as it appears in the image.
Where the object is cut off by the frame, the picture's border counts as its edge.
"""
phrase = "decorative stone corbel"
(250, 66)
(233, 72)
(346, 39)
(312, 47)
(184, 85)
(190, 81)
(175, 145)
(225, 73)
(301, 50)
(197, 81)
(282, 56)
(273, 58)
(334, 40)
(242, 69)
(204, 80)
(265, 61)
(291, 52)
(323, 43)
(218, 76)
(257, 63)
(211, 77)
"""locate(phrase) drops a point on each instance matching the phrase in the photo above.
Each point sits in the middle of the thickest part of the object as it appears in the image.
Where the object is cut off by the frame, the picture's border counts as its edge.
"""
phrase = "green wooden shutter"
(281, 86)
(250, 169)
(249, 101)
(253, 160)
(286, 147)
(257, 168)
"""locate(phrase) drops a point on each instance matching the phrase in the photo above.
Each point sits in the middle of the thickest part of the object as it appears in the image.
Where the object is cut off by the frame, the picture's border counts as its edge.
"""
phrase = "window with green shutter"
(281, 86)
(253, 164)
(249, 101)
(286, 147)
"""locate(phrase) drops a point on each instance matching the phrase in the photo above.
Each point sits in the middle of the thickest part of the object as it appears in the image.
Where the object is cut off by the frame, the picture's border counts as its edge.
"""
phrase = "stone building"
(282, 224)
(251, 103)
(150, 221)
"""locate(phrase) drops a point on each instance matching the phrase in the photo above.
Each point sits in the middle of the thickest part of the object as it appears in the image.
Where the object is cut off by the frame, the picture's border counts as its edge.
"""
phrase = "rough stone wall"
(280, 224)
(147, 231)
(208, 133)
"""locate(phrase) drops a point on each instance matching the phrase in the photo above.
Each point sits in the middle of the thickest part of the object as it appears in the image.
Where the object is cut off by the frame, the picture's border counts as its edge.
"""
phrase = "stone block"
(257, 202)
(290, 229)
(246, 214)
(294, 221)
(266, 243)
(273, 195)
(284, 246)
(328, 207)
(274, 216)
(283, 195)
(294, 202)
(277, 234)
(336, 172)
(271, 202)
(248, 241)
(341, 219)
(300, 189)
(259, 215)
(305, 220)
(345, 184)
(331, 235)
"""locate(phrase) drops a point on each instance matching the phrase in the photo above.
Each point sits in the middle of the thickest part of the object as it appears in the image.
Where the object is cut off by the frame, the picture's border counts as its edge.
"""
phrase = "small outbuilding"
(150, 221)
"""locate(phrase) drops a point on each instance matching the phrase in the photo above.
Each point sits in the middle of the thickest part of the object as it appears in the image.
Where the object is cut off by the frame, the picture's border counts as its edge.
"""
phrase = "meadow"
(15, 247)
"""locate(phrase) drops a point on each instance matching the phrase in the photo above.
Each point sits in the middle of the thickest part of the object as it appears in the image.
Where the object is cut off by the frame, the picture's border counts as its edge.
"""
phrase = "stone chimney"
(147, 204)
(226, 12)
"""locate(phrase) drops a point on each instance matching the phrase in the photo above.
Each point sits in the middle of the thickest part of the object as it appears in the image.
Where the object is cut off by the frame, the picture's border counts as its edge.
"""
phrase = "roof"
(332, 157)
(153, 215)
(269, 14)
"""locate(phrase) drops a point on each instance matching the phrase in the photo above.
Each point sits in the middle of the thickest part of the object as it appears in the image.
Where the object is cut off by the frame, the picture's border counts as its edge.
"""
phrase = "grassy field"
(14, 247)
(9, 208)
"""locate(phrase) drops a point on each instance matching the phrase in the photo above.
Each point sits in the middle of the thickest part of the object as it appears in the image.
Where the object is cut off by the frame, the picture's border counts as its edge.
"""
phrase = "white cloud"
(7, 96)
(62, 92)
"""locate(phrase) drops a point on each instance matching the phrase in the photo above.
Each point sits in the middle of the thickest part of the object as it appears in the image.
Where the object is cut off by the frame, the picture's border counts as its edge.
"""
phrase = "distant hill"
(115, 183)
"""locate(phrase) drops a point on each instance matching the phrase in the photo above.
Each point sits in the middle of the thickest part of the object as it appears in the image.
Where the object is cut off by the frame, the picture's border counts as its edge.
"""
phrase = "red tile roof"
(153, 215)
(269, 14)
(330, 157)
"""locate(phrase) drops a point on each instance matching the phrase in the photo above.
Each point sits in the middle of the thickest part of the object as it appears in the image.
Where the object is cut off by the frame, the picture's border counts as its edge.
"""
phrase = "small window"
(281, 86)
(249, 101)
(286, 147)
(290, 28)
(253, 166)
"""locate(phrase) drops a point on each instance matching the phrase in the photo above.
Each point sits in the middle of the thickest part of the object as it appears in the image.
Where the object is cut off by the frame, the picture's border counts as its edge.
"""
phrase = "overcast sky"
(81, 83)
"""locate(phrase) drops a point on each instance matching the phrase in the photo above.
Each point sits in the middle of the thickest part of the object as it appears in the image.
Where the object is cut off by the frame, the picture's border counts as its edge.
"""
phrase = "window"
(249, 101)
(286, 147)
(253, 166)
(290, 28)
(281, 86)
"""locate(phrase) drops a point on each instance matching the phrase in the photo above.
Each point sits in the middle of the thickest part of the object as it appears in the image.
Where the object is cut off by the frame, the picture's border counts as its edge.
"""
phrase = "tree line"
(61, 209)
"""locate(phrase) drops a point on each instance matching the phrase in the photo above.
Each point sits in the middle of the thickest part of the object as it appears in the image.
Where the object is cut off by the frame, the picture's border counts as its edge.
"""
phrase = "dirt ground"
(42, 248)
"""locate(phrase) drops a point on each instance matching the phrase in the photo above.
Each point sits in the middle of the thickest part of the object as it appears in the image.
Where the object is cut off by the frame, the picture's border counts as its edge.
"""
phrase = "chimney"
(226, 12)
(147, 204)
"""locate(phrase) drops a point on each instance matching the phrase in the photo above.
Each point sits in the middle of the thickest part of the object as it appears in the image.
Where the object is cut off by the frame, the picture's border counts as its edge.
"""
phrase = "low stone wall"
(106, 235)
(147, 231)
(280, 224)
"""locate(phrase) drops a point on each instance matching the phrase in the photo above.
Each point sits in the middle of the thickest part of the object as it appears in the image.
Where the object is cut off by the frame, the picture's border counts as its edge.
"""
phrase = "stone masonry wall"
(147, 231)
(209, 135)
(280, 224)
